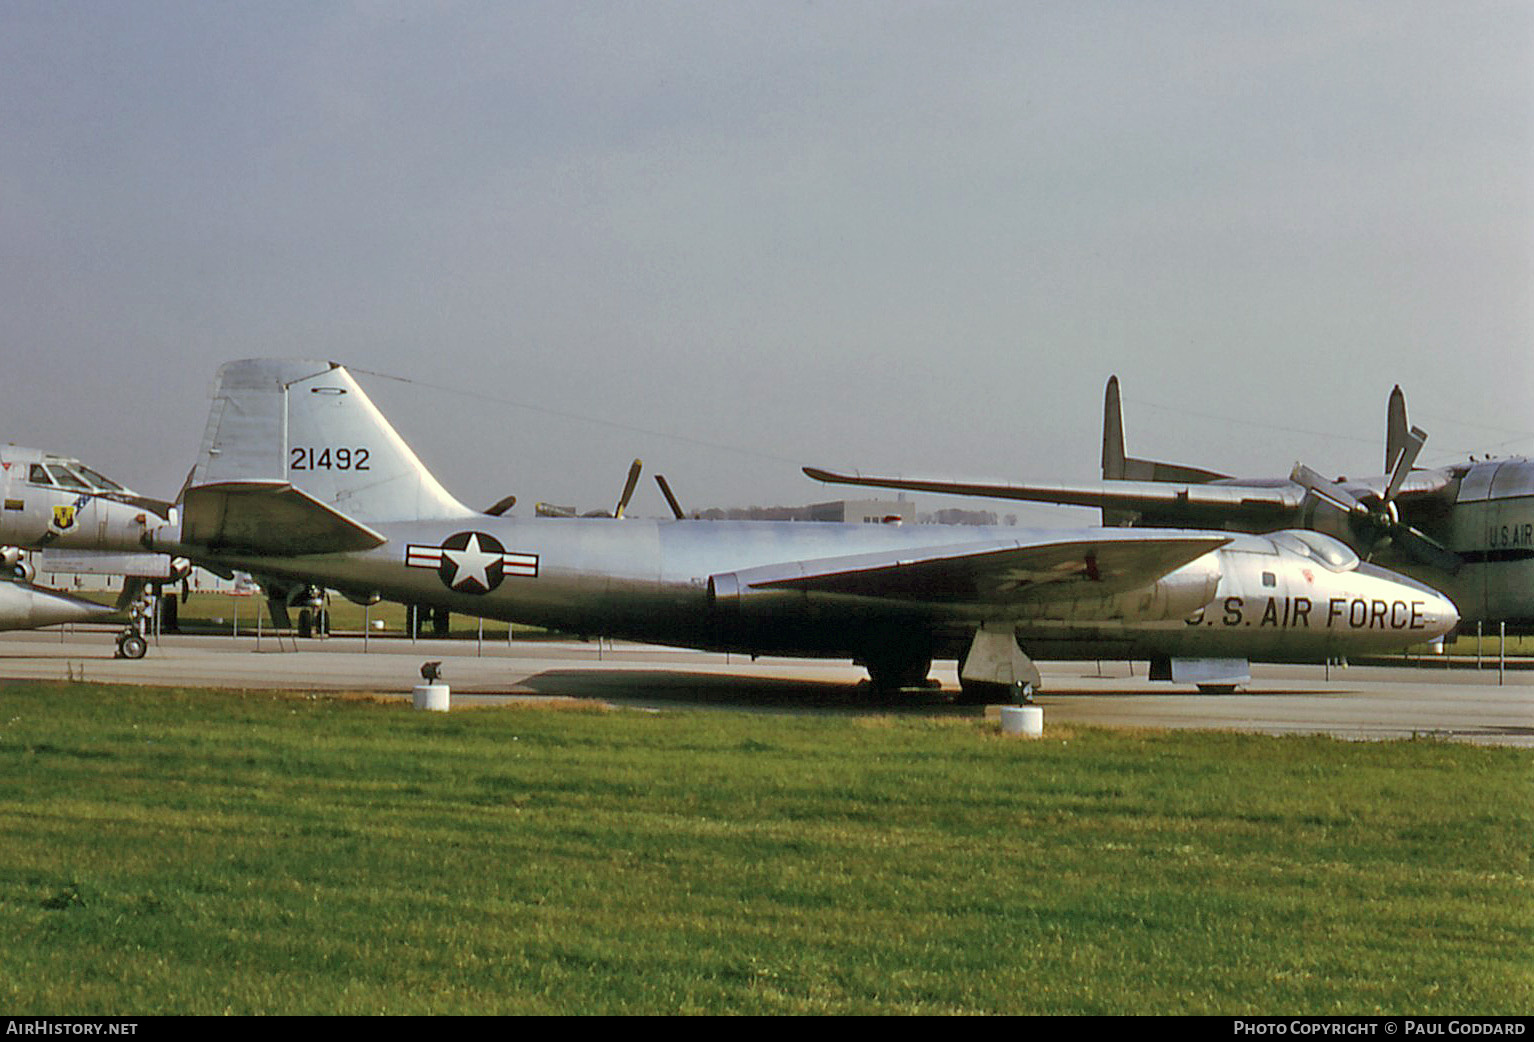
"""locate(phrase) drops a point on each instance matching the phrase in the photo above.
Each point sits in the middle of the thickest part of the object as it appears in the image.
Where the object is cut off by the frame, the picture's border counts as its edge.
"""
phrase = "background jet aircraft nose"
(23, 606)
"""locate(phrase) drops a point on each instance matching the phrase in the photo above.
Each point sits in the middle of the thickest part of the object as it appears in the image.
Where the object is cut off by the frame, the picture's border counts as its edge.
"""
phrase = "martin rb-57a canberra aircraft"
(300, 478)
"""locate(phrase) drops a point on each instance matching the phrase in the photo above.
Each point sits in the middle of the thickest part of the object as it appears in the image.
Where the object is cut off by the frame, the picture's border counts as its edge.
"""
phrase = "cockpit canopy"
(1332, 554)
(72, 475)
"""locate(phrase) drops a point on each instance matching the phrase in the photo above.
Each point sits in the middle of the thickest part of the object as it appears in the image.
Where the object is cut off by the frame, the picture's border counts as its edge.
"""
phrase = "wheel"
(132, 646)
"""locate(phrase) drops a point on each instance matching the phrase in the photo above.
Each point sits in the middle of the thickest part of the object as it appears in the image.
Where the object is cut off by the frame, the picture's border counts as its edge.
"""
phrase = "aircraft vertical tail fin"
(1113, 433)
(1397, 430)
(310, 425)
(1115, 462)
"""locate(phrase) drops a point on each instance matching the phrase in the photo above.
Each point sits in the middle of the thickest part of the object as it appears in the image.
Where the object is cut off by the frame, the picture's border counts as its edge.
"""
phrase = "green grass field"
(172, 851)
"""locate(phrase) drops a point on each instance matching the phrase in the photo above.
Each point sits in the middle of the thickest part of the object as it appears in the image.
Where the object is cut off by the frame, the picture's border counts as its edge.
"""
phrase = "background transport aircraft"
(1466, 529)
(300, 479)
(57, 504)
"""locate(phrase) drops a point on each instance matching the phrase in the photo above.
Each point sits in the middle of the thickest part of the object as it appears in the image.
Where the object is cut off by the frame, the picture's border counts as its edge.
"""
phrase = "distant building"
(856, 511)
(868, 511)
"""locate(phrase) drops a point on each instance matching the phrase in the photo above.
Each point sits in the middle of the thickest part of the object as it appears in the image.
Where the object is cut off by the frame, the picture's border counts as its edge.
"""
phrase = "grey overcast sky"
(733, 238)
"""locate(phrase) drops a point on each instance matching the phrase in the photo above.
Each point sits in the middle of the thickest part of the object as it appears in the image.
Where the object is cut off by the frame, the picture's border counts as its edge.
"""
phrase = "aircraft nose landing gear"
(132, 642)
(131, 645)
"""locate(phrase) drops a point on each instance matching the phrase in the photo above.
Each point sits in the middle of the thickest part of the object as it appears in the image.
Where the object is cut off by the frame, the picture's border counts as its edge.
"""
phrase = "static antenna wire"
(1520, 434)
(1248, 423)
(1443, 452)
(578, 417)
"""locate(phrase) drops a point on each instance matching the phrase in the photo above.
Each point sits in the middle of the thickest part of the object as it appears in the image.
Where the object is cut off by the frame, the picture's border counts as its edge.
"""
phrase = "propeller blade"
(665, 490)
(1415, 439)
(1426, 550)
(628, 487)
(1328, 490)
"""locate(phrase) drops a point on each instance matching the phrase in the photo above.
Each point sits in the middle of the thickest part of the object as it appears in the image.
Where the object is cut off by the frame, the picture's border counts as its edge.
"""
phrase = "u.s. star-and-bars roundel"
(471, 562)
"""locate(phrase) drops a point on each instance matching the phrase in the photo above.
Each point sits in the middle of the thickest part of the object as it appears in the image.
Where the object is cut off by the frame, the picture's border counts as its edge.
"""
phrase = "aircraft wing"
(1258, 501)
(268, 517)
(1418, 483)
(1000, 573)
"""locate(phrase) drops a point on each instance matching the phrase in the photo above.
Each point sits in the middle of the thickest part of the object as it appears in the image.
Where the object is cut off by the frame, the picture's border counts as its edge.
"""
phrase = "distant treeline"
(940, 517)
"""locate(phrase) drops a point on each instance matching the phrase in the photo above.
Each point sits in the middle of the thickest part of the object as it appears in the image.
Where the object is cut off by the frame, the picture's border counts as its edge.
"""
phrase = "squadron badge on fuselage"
(471, 562)
(63, 518)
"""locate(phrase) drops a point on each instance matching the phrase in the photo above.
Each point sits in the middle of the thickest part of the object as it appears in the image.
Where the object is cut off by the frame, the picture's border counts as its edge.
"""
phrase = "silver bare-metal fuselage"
(690, 584)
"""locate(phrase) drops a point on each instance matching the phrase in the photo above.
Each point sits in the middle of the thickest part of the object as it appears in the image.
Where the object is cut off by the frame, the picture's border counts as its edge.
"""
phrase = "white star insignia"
(473, 564)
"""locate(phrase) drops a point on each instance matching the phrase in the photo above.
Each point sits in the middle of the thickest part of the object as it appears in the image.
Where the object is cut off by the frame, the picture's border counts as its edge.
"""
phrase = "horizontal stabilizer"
(268, 518)
(1005, 573)
(1155, 470)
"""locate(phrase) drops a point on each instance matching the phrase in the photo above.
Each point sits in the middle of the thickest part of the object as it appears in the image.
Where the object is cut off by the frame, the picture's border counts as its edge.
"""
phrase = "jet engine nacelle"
(1175, 595)
(729, 594)
(1325, 517)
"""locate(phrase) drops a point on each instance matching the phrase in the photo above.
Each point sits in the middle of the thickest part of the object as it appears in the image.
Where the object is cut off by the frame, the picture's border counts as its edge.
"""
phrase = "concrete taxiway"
(1351, 703)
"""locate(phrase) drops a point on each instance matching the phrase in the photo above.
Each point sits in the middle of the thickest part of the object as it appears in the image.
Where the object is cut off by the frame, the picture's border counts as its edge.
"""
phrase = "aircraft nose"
(1443, 616)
